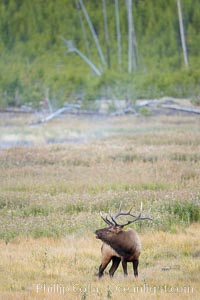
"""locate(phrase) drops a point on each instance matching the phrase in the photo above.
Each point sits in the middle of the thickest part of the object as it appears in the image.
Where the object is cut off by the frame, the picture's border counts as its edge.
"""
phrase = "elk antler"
(106, 219)
(113, 222)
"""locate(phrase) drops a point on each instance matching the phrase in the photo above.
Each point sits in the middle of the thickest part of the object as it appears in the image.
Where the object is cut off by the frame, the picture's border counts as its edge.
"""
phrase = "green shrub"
(144, 111)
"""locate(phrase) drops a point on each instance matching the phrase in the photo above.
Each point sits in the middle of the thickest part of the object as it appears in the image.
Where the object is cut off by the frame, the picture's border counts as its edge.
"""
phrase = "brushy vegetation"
(51, 195)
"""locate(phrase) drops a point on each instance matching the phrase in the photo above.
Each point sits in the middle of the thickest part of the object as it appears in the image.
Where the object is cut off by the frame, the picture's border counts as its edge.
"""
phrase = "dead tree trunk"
(93, 32)
(119, 49)
(180, 108)
(182, 34)
(132, 47)
(107, 40)
(135, 50)
(87, 46)
(69, 107)
(72, 48)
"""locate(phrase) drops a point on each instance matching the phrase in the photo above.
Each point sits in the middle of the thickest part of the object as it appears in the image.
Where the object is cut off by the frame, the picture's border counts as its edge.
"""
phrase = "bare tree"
(93, 32)
(87, 47)
(107, 40)
(182, 34)
(132, 46)
(71, 48)
(118, 33)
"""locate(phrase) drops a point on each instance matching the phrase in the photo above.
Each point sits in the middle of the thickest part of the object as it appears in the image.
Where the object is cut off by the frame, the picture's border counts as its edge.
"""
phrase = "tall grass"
(51, 196)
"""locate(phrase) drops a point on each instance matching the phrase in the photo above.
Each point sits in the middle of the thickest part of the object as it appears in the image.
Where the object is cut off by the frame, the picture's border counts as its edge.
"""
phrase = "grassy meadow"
(56, 177)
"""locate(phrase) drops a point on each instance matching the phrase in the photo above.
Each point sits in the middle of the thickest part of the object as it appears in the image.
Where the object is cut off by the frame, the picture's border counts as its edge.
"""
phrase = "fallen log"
(53, 115)
(67, 108)
(155, 102)
(22, 110)
(181, 108)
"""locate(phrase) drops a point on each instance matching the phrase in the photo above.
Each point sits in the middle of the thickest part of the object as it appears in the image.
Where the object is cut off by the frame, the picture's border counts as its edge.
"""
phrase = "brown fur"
(119, 245)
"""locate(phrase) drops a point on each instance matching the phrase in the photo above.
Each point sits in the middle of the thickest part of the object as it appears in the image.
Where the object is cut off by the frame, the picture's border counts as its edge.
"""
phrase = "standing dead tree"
(107, 40)
(93, 32)
(132, 46)
(119, 49)
(180, 17)
(87, 46)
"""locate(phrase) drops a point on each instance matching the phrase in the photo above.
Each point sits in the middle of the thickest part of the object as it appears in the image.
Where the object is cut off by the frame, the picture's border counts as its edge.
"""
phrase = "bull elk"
(119, 245)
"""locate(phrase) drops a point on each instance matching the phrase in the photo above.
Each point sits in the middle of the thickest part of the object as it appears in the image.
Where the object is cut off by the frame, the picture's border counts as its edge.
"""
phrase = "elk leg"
(135, 267)
(103, 266)
(124, 265)
(115, 264)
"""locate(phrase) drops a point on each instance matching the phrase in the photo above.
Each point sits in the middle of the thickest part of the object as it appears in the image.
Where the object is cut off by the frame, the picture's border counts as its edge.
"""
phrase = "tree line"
(85, 50)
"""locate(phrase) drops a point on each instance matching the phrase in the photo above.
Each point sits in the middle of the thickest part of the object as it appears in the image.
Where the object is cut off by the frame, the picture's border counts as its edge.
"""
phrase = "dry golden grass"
(51, 194)
(66, 267)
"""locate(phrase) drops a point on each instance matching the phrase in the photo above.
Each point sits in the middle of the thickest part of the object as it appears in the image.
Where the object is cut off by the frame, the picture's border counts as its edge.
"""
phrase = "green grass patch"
(129, 157)
(187, 212)
(36, 210)
(195, 157)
